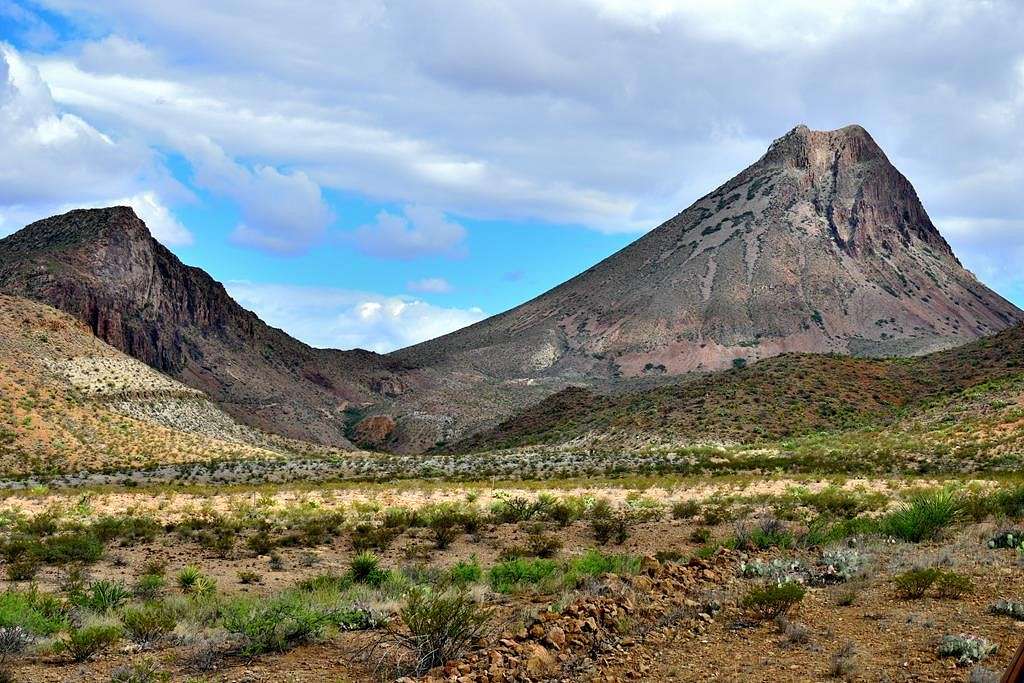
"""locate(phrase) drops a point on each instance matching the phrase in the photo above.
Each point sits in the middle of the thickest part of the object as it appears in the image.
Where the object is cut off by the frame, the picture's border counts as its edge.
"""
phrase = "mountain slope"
(820, 246)
(103, 267)
(70, 402)
(785, 396)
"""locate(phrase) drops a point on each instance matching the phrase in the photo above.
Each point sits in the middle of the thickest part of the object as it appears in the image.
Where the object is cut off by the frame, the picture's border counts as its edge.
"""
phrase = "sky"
(375, 173)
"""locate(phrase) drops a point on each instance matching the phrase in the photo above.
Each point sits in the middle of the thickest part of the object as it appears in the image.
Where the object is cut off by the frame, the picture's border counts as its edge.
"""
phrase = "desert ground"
(632, 578)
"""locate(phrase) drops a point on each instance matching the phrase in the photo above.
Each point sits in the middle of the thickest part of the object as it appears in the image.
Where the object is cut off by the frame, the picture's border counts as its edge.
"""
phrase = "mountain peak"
(90, 227)
(803, 147)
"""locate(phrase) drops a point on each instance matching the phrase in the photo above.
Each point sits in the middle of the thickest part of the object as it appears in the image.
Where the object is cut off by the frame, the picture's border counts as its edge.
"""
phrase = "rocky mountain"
(819, 246)
(103, 267)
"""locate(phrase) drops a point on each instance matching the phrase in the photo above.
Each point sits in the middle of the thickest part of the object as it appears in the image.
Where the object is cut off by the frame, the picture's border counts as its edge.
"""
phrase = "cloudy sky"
(370, 173)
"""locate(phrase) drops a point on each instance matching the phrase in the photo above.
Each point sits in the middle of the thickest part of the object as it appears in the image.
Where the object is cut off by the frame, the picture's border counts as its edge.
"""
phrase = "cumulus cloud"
(420, 231)
(337, 318)
(430, 285)
(612, 114)
(57, 161)
(281, 212)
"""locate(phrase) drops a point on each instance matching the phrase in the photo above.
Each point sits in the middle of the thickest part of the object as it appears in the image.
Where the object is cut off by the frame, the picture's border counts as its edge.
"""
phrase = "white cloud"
(336, 318)
(420, 231)
(430, 285)
(281, 212)
(612, 114)
(57, 161)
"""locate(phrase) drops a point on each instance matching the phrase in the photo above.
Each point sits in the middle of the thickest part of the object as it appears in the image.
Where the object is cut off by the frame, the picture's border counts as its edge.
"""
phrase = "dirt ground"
(886, 638)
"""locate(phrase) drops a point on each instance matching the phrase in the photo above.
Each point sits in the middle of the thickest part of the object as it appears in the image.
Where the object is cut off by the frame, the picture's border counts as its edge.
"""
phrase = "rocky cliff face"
(103, 267)
(819, 246)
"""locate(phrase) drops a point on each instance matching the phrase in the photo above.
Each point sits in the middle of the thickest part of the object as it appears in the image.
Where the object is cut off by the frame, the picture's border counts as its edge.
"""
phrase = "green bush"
(440, 627)
(277, 626)
(924, 517)
(102, 596)
(513, 575)
(82, 644)
(42, 614)
(774, 600)
(953, 586)
(913, 584)
(369, 536)
(595, 563)
(609, 525)
(465, 573)
(1009, 608)
(149, 622)
(365, 568)
(71, 547)
(685, 509)
(512, 510)
(149, 586)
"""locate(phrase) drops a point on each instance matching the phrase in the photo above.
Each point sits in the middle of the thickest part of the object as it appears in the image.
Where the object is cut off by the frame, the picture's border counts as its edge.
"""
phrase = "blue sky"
(372, 174)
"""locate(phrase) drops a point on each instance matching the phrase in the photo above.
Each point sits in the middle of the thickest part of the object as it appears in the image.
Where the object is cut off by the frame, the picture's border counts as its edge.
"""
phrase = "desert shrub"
(102, 596)
(128, 529)
(71, 547)
(952, 585)
(277, 627)
(439, 627)
(924, 517)
(1009, 608)
(14, 640)
(564, 512)
(23, 568)
(443, 521)
(825, 530)
(145, 671)
(192, 581)
(1007, 538)
(595, 563)
(913, 584)
(369, 536)
(685, 509)
(465, 573)
(770, 533)
(773, 600)
(84, 643)
(609, 524)
(149, 586)
(841, 503)
(261, 542)
(965, 648)
(248, 577)
(713, 515)
(777, 570)
(398, 519)
(700, 535)
(365, 568)
(844, 661)
(513, 509)
(149, 622)
(513, 575)
(539, 544)
(42, 614)
(669, 555)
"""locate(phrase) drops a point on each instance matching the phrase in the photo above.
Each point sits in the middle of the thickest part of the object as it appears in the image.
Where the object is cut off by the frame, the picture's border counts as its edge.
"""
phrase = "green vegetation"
(440, 626)
(924, 517)
(774, 600)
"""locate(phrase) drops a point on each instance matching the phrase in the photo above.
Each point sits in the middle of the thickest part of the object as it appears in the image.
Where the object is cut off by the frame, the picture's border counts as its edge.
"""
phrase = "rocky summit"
(822, 245)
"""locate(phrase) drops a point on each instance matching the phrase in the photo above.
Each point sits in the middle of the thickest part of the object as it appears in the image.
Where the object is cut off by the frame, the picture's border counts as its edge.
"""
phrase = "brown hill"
(70, 402)
(104, 268)
(820, 246)
(784, 396)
